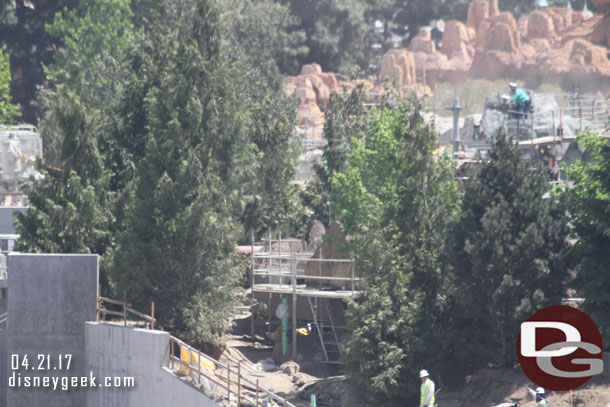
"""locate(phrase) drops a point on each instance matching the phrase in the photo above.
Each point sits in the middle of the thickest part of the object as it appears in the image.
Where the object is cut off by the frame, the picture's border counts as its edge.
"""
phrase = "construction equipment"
(20, 147)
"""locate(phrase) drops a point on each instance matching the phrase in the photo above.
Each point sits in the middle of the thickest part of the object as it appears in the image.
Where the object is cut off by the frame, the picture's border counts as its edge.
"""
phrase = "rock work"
(313, 87)
(553, 44)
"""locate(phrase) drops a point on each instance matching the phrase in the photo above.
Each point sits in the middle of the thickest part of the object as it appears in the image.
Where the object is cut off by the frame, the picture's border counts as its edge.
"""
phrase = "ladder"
(330, 344)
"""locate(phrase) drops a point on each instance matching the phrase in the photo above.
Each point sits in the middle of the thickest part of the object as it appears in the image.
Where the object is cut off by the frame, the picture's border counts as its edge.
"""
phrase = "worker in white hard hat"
(541, 401)
(427, 389)
(520, 98)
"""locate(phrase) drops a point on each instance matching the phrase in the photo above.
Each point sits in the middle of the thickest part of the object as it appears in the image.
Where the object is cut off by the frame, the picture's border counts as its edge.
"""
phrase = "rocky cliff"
(555, 44)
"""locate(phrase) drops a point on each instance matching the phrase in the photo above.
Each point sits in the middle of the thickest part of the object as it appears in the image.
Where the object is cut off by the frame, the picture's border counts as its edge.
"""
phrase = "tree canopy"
(589, 207)
(507, 253)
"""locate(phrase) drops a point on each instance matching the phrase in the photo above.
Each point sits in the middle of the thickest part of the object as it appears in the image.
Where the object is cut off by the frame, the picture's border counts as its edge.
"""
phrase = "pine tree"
(185, 125)
(394, 198)
(589, 208)
(8, 111)
(68, 207)
(344, 121)
(507, 254)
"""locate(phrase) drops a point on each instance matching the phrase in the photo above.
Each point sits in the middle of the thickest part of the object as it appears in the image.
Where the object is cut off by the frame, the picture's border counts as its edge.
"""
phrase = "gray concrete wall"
(116, 351)
(49, 300)
(3, 371)
(7, 214)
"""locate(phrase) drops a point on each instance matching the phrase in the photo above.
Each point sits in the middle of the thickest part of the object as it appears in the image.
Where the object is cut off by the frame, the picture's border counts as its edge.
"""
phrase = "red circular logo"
(560, 348)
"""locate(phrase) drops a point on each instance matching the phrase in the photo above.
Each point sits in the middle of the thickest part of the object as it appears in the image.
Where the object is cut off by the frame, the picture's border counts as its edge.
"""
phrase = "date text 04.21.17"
(41, 362)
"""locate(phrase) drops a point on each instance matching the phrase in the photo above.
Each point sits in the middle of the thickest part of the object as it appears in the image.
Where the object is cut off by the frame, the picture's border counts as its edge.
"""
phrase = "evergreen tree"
(8, 111)
(185, 125)
(394, 198)
(336, 33)
(96, 35)
(344, 120)
(23, 31)
(67, 210)
(507, 254)
(589, 209)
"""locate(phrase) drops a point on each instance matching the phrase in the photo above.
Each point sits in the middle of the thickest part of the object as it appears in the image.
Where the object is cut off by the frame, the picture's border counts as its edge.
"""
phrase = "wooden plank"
(108, 312)
(111, 301)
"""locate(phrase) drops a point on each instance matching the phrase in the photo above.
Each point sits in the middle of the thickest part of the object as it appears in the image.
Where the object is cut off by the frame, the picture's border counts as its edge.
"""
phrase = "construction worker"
(541, 401)
(427, 390)
(520, 98)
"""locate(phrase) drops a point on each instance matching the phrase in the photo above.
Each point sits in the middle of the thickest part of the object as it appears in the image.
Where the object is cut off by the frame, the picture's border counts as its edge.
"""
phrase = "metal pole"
(152, 315)
(456, 120)
(351, 266)
(189, 366)
(252, 289)
(294, 306)
(553, 115)
(124, 308)
(99, 302)
(238, 384)
(320, 266)
(285, 329)
(198, 367)
(280, 255)
(229, 382)
(171, 351)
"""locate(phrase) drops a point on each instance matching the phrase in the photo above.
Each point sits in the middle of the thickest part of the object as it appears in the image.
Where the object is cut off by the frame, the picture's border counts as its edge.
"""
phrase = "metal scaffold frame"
(281, 268)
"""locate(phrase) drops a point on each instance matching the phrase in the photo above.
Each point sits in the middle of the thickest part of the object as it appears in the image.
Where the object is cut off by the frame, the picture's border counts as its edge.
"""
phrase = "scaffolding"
(283, 273)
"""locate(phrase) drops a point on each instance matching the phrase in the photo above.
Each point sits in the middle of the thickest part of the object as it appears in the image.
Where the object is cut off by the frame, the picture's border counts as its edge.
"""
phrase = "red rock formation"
(456, 41)
(423, 42)
(540, 26)
(478, 11)
(548, 44)
(313, 87)
(398, 65)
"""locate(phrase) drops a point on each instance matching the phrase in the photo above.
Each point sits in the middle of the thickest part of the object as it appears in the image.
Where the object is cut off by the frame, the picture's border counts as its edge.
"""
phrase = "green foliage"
(96, 34)
(507, 254)
(8, 111)
(589, 208)
(267, 32)
(185, 117)
(345, 119)
(336, 33)
(394, 198)
(24, 34)
(67, 208)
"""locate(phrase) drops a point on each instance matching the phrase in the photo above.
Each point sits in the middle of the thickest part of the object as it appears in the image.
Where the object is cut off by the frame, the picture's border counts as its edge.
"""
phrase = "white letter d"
(528, 338)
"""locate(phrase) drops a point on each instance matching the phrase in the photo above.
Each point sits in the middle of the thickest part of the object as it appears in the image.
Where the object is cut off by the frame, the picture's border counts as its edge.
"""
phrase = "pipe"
(285, 329)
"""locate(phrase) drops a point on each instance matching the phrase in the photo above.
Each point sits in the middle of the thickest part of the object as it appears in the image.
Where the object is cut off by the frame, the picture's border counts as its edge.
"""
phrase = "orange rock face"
(540, 26)
(398, 66)
(555, 44)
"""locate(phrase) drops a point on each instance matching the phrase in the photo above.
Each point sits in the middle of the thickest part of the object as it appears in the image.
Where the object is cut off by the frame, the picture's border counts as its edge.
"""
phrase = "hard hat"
(423, 373)
(512, 85)
(539, 390)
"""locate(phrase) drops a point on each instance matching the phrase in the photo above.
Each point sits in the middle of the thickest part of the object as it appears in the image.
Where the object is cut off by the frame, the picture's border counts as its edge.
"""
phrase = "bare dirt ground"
(290, 380)
(489, 387)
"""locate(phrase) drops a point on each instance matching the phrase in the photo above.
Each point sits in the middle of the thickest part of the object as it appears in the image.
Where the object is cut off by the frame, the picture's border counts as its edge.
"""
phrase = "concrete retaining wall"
(116, 351)
(50, 298)
(3, 371)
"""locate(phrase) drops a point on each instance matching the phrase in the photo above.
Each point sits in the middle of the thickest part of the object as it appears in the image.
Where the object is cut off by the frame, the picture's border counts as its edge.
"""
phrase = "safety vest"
(543, 403)
(427, 388)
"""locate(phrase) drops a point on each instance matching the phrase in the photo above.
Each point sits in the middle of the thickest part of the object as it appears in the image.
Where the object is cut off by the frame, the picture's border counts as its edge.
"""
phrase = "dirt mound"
(490, 387)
